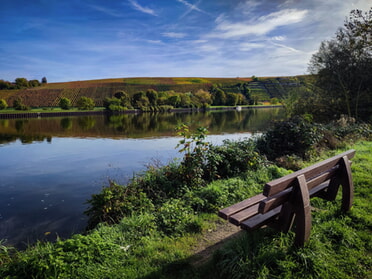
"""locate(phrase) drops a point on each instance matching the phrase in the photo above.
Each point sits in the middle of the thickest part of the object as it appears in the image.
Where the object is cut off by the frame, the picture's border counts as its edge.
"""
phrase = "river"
(50, 167)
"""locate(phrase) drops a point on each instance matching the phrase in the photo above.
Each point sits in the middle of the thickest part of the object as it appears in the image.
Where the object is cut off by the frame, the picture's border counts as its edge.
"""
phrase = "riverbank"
(47, 112)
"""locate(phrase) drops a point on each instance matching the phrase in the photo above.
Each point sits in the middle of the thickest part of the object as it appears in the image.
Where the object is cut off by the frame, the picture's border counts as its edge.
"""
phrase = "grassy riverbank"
(160, 239)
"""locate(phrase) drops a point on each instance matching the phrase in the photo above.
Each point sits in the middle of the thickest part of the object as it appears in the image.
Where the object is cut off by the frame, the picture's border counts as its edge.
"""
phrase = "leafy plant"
(85, 103)
(295, 136)
(3, 104)
(194, 147)
(174, 217)
(115, 202)
(65, 103)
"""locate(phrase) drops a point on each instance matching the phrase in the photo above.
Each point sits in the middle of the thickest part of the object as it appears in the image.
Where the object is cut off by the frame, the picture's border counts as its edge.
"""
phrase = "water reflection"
(135, 125)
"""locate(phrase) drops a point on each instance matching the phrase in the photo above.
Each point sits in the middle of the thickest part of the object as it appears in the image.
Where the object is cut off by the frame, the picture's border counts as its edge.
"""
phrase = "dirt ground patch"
(212, 240)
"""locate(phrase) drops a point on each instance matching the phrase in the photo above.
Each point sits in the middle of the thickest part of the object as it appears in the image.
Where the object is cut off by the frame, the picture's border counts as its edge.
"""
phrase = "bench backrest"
(314, 174)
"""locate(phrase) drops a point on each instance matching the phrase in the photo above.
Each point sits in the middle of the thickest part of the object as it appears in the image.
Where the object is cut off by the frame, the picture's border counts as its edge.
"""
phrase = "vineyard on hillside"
(48, 95)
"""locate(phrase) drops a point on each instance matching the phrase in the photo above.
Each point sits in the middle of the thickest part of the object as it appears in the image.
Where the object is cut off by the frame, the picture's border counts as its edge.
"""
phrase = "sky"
(70, 40)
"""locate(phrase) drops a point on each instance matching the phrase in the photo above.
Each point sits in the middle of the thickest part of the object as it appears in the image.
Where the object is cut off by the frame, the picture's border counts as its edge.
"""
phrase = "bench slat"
(275, 201)
(239, 217)
(277, 185)
(260, 220)
(284, 196)
(235, 208)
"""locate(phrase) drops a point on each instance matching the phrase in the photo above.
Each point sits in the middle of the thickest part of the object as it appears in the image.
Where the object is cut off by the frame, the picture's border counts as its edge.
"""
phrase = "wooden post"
(302, 211)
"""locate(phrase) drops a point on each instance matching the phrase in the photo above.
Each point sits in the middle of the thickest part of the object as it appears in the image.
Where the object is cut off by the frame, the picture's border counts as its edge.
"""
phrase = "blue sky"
(91, 39)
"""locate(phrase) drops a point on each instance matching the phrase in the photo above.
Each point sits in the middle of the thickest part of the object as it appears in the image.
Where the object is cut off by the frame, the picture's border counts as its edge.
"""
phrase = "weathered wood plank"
(280, 184)
(239, 217)
(260, 220)
(228, 211)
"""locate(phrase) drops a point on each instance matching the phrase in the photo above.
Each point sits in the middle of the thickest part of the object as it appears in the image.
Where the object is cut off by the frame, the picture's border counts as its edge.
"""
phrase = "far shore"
(57, 112)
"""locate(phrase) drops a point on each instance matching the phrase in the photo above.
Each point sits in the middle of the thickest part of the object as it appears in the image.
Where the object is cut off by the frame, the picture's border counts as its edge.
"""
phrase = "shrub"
(231, 158)
(115, 202)
(295, 136)
(174, 217)
(3, 104)
(85, 103)
(65, 103)
(18, 105)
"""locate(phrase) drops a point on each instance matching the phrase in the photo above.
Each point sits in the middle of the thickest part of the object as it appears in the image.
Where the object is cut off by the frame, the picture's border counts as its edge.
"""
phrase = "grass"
(339, 246)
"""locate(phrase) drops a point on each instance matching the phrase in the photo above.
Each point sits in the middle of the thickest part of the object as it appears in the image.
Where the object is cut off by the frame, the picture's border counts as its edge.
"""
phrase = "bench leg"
(347, 184)
(302, 211)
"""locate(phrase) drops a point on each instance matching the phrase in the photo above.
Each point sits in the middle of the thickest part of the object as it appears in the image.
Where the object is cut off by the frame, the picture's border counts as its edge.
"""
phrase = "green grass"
(339, 246)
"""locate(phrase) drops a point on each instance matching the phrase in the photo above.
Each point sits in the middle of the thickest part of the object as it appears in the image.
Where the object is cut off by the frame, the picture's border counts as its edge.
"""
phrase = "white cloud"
(250, 46)
(174, 35)
(142, 9)
(278, 38)
(264, 25)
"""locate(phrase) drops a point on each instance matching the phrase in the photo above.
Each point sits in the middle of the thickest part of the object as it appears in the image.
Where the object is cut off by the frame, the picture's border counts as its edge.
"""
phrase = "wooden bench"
(286, 200)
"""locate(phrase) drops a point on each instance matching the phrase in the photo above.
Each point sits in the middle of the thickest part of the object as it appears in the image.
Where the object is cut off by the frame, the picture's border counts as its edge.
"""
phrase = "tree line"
(20, 83)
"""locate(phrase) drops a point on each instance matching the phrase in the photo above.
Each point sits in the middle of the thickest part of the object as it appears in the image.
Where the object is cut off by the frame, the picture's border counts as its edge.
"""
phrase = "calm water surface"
(50, 167)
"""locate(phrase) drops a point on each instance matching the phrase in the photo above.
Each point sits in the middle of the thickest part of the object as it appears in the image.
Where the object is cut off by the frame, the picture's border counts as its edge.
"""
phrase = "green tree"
(186, 100)
(33, 83)
(152, 95)
(65, 103)
(203, 97)
(5, 84)
(343, 67)
(3, 104)
(219, 97)
(85, 103)
(44, 80)
(18, 104)
(21, 83)
(140, 100)
(232, 99)
(174, 100)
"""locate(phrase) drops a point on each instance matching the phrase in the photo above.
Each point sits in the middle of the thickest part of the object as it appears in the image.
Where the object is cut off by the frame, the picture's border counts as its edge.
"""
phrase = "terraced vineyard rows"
(48, 95)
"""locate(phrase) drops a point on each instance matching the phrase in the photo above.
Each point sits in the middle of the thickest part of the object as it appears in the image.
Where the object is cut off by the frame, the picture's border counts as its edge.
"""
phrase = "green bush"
(231, 158)
(115, 202)
(174, 217)
(3, 104)
(85, 103)
(65, 103)
(18, 105)
(295, 136)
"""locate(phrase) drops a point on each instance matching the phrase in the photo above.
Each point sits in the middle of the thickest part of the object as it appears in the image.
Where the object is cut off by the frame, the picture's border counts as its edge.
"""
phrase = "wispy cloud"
(105, 10)
(226, 29)
(174, 35)
(191, 7)
(286, 47)
(142, 9)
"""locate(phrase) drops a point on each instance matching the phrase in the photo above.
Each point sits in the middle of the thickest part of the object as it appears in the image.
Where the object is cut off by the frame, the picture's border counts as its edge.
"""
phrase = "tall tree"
(343, 66)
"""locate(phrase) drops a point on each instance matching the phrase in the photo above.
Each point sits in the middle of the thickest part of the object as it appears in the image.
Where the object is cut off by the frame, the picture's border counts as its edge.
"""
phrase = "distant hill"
(48, 95)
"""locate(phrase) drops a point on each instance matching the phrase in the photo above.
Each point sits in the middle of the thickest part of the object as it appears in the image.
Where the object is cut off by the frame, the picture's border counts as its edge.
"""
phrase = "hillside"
(48, 95)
